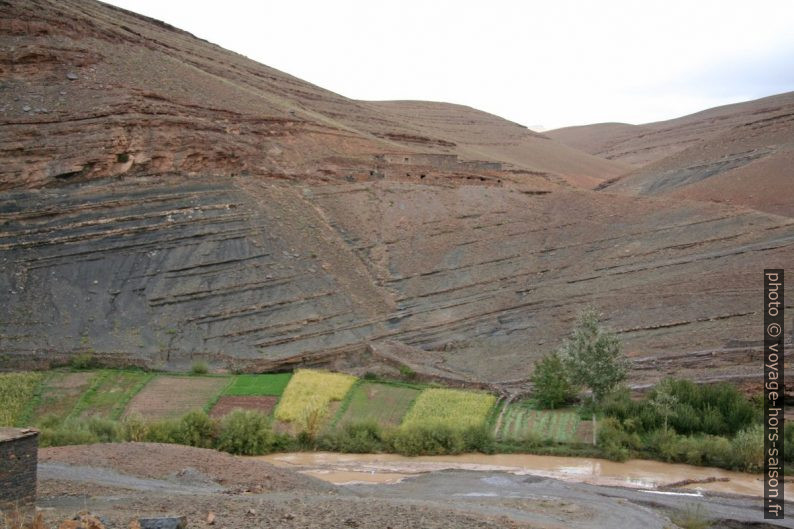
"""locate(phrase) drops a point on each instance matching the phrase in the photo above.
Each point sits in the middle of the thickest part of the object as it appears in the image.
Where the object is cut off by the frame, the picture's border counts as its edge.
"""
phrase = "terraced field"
(307, 388)
(385, 404)
(450, 407)
(60, 393)
(16, 394)
(252, 392)
(228, 404)
(109, 394)
(170, 397)
(268, 384)
(521, 421)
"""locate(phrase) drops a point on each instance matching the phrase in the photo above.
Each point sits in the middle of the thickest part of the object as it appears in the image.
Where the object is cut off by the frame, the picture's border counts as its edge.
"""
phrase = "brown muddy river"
(344, 469)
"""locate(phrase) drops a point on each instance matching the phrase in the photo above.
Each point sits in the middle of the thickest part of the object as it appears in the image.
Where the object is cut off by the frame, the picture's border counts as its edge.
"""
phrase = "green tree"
(550, 384)
(593, 357)
(664, 401)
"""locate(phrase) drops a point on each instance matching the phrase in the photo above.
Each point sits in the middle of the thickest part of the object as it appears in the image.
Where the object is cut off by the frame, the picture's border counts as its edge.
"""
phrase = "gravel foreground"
(124, 481)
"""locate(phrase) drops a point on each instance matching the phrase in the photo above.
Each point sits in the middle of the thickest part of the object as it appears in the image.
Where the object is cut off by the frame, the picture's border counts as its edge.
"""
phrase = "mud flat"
(126, 480)
(343, 469)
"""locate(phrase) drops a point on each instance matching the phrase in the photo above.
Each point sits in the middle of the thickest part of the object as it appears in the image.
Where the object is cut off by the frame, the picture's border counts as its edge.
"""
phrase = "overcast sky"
(543, 64)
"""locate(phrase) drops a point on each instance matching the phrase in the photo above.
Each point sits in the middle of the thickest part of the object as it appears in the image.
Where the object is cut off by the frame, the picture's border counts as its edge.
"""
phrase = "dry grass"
(17, 521)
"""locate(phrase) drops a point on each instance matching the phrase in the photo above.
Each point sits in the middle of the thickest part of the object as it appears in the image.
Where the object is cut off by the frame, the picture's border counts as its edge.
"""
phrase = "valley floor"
(121, 482)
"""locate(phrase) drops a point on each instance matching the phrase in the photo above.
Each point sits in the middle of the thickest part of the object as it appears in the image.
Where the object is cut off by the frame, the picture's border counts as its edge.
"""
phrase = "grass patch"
(265, 385)
(383, 404)
(309, 387)
(450, 407)
(109, 394)
(60, 393)
(16, 392)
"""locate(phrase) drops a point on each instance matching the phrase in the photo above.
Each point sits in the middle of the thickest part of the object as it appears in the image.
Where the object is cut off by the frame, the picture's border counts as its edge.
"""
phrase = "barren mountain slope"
(177, 202)
(639, 145)
(749, 164)
(476, 281)
(92, 91)
(479, 135)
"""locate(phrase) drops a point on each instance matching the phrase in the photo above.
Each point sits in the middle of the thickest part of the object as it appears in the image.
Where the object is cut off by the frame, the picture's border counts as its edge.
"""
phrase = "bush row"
(242, 432)
(247, 432)
(717, 409)
(745, 451)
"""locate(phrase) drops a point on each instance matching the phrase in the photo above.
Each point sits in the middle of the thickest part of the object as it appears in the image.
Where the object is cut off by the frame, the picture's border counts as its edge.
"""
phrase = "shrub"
(407, 373)
(135, 428)
(199, 367)
(83, 361)
(197, 429)
(551, 386)
(105, 430)
(748, 448)
(313, 415)
(247, 432)
(165, 431)
(691, 517)
(355, 438)
(616, 442)
(427, 439)
(479, 439)
(70, 432)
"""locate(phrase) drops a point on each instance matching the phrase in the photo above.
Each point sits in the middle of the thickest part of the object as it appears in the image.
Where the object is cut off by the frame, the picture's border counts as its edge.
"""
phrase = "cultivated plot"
(110, 393)
(384, 404)
(227, 404)
(16, 392)
(309, 388)
(520, 422)
(450, 407)
(61, 391)
(170, 397)
(270, 384)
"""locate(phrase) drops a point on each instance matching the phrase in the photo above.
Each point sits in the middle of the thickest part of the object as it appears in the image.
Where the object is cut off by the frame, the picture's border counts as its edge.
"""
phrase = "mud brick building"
(18, 460)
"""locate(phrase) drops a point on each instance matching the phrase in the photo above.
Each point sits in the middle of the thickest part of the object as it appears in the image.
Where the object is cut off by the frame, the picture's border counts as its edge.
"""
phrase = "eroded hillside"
(164, 200)
(92, 91)
(479, 280)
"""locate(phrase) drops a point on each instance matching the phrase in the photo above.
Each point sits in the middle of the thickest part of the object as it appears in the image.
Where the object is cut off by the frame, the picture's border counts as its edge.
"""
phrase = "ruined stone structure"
(449, 162)
(439, 161)
(18, 460)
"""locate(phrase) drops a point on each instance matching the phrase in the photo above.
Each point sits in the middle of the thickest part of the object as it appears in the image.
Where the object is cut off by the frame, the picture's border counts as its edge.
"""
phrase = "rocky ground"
(126, 481)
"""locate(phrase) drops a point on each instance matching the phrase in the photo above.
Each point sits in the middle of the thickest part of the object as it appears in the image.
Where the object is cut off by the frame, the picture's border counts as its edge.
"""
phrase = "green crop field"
(110, 393)
(267, 385)
(384, 404)
(450, 407)
(16, 393)
(308, 387)
(521, 421)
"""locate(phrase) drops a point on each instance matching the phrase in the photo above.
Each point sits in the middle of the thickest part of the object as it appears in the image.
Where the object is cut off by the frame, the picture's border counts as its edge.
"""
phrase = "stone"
(164, 522)
(72, 76)
(27, 108)
(211, 518)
